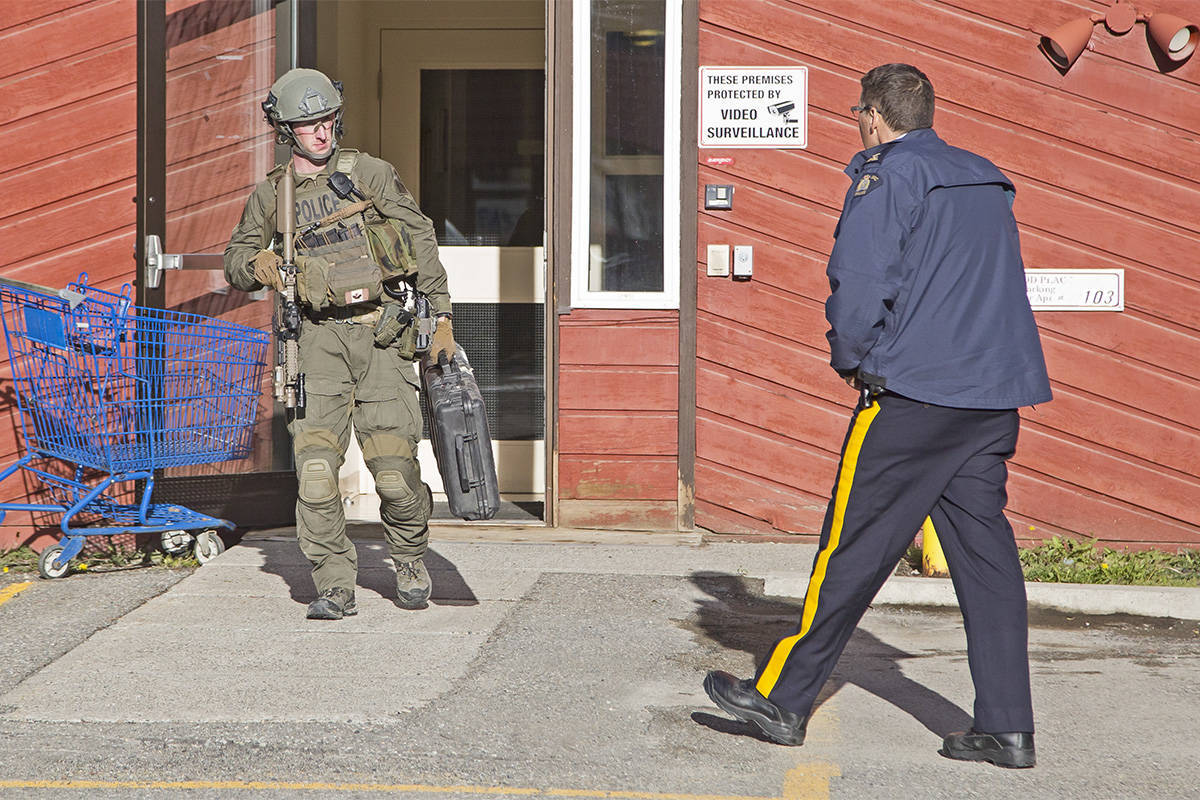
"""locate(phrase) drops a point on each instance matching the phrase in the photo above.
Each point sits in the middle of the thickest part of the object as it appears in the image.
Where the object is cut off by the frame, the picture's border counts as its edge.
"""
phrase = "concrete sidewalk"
(254, 597)
(784, 568)
(566, 658)
(259, 648)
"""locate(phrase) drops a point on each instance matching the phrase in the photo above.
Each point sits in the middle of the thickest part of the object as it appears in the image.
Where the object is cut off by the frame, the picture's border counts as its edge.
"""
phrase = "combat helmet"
(303, 95)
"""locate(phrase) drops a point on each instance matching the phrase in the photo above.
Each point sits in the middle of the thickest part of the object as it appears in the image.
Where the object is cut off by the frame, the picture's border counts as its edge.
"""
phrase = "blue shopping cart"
(107, 392)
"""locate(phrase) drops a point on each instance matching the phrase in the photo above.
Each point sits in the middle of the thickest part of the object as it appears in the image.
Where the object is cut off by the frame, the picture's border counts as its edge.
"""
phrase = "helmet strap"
(290, 138)
(285, 135)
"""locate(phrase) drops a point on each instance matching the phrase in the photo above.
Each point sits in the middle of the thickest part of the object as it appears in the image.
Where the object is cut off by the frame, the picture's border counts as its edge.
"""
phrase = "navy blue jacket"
(926, 279)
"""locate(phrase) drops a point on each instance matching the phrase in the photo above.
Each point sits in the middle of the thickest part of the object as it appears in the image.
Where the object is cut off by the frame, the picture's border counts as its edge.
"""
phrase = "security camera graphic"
(784, 108)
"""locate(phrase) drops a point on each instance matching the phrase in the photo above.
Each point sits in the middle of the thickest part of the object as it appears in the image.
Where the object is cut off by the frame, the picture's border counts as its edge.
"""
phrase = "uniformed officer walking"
(929, 319)
(355, 344)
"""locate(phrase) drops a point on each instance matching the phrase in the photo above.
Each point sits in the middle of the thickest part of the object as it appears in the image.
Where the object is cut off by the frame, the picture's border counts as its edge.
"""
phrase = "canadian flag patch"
(356, 296)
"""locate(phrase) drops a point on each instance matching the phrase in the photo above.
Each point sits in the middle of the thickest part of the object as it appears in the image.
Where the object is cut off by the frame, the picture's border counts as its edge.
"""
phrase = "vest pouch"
(341, 274)
(396, 327)
(392, 246)
(406, 343)
(312, 281)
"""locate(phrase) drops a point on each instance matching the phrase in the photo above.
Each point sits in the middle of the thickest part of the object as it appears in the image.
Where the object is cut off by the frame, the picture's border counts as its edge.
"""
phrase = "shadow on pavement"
(737, 616)
(375, 573)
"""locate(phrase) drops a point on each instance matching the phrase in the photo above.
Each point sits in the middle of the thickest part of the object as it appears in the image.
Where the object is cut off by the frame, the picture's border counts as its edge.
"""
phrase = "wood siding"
(68, 128)
(1105, 160)
(617, 418)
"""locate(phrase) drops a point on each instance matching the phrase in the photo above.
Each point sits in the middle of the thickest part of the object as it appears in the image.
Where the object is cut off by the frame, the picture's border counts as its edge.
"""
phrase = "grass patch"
(99, 555)
(1061, 560)
(20, 559)
(110, 555)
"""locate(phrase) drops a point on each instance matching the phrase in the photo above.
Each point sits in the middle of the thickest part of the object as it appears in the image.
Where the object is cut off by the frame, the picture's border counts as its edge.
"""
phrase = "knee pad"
(318, 483)
(394, 489)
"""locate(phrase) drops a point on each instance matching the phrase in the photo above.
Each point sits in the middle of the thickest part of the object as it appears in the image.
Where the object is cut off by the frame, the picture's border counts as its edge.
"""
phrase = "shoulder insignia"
(345, 161)
(866, 184)
(874, 157)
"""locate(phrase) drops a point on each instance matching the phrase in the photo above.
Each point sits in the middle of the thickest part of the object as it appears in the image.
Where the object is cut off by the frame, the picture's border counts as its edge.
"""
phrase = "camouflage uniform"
(347, 377)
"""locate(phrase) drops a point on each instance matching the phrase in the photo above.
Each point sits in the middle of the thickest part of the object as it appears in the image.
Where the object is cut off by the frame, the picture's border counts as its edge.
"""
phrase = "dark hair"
(902, 94)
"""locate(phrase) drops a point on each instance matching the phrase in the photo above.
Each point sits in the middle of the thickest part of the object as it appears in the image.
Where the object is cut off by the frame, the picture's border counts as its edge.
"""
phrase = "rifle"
(289, 380)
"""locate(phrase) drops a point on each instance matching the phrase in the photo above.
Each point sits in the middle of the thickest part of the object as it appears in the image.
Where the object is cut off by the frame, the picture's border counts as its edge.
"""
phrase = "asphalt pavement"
(558, 664)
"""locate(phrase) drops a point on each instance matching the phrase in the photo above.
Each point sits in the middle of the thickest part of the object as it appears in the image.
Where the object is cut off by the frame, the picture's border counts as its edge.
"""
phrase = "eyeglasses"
(856, 110)
(315, 125)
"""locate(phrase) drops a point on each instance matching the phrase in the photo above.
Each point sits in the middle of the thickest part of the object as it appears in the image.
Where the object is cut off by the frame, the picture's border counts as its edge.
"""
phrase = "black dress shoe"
(742, 700)
(1012, 750)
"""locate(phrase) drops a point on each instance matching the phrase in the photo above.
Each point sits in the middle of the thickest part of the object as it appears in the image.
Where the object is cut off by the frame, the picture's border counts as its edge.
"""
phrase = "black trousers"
(903, 461)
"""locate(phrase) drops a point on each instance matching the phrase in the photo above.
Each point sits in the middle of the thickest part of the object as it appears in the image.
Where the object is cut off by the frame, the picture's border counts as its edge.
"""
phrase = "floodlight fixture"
(1174, 36)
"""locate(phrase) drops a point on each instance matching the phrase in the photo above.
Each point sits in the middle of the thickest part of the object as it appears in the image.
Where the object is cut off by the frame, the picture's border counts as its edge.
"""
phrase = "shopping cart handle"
(72, 297)
(36, 287)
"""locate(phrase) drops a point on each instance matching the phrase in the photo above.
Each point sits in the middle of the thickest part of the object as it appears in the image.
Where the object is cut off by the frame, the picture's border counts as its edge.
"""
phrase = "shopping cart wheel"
(175, 543)
(47, 567)
(208, 546)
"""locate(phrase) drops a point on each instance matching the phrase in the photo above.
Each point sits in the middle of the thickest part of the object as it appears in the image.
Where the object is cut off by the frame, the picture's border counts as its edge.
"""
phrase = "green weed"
(1061, 560)
(101, 554)
(20, 559)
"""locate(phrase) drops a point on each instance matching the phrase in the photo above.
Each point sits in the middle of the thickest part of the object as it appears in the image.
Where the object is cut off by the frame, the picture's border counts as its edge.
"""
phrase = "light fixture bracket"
(1120, 17)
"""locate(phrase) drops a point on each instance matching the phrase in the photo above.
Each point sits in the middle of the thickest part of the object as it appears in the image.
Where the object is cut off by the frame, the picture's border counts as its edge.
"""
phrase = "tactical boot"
(333, 603)
(412, 584)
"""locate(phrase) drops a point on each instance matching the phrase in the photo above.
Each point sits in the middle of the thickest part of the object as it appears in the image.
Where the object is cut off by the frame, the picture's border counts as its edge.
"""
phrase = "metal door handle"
(157, 261)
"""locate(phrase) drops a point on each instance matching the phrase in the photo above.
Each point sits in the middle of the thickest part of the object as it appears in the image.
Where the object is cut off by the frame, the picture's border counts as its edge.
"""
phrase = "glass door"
(203, 145)
(462, 118)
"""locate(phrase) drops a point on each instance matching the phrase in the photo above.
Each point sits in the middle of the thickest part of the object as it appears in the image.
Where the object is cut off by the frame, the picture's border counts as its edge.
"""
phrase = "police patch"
(866, 184)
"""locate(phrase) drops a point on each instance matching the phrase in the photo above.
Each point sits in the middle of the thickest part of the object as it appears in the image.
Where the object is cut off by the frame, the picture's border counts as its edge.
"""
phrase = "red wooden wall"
(68, 128)
(618, 418)
(1106, 160)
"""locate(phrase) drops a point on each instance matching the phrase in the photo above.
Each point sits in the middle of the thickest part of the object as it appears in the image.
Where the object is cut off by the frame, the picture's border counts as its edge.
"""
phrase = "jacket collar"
(326, 169)
(875, 154)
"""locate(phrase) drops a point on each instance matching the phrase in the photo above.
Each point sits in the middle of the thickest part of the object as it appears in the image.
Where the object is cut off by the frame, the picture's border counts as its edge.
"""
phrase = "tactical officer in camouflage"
(358, 250)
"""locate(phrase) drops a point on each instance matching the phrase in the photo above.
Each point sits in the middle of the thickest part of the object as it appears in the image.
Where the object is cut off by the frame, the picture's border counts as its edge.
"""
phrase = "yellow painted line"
(809, 782)
(11, 591)
(382, 788)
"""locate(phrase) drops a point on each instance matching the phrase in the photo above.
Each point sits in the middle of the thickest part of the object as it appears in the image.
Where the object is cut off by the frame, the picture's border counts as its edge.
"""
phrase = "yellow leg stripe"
(845, 480)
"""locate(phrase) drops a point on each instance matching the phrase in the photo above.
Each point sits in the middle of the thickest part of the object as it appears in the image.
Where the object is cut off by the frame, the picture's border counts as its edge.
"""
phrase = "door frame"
(558, 196)
(555, 16)
(272, 493)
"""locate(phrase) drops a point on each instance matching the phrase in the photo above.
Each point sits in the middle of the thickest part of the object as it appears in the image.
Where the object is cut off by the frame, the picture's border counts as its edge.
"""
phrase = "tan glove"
(443, 340)
(266, 269)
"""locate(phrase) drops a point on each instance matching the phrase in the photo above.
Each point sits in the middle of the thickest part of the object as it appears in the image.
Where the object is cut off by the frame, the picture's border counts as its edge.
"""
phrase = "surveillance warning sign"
(754, 107)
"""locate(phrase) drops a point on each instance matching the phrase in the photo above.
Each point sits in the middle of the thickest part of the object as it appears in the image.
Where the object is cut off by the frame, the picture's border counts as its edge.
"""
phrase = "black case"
(461, 441)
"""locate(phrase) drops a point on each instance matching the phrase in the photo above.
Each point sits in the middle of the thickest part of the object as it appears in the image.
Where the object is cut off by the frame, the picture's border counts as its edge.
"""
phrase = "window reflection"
(482, 134)
(628, 85)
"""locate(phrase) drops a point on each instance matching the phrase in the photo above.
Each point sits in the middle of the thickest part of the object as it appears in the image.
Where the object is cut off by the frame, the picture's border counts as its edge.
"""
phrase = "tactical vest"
(345, 257)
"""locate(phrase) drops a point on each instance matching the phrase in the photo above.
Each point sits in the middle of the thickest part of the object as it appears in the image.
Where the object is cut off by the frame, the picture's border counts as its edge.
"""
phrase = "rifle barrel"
(285, 203)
